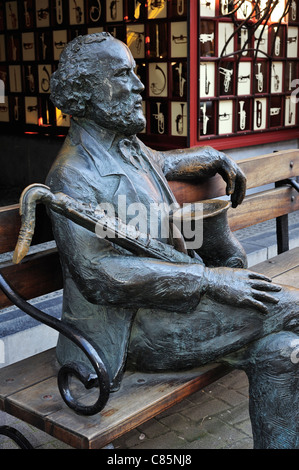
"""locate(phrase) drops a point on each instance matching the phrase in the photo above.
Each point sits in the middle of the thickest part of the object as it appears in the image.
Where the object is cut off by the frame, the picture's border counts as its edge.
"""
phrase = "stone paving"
(214, 418)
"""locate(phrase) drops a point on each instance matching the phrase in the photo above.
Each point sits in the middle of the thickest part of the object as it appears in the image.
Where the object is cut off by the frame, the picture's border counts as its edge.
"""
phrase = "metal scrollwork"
(101, 379)
(15, 436)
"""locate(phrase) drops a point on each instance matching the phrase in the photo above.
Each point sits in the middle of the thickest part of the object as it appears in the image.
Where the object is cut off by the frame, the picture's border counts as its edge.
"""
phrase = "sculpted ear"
(70, 95)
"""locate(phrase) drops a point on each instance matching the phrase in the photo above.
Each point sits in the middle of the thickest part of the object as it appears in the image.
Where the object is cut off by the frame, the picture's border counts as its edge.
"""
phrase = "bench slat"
(10, 222)
(290, 278)
(259, 171)
(264, 206)
(279, 265)
(265, 169)
(36, 275)
(38, 368)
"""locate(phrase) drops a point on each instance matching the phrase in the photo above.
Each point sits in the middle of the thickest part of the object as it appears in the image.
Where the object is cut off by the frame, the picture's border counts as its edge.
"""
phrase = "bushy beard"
(122, 118)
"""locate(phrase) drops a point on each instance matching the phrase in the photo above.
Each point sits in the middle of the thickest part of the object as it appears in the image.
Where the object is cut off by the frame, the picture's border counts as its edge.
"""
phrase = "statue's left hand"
(234, 178)
(202, 162)
(240, 288)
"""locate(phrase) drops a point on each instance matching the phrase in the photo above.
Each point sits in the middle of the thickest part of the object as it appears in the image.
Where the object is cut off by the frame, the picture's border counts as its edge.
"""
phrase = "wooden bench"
(28, 389)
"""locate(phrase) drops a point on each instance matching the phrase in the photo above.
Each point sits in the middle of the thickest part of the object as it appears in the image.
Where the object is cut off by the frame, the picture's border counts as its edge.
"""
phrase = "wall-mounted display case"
(243, 88)
(33, 34)
(216, 72)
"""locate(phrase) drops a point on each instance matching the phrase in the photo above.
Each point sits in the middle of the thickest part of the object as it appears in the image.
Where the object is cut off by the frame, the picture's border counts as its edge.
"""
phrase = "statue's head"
(95, 79)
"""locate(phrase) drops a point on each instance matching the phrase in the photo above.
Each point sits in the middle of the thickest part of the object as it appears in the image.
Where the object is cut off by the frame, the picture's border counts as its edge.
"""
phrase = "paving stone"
(244, 391)
(54, 445)
(206, 442)
(245, 426)
(181, 406)
(200, 397)
(7, 420)
(236, 379)
(6, 443)
(236, 414)
(230, 396)
(169, 440)
(153, 428)
(128, 441)
(219, 428)
(183, 427)
(245, 443)
(212, 407)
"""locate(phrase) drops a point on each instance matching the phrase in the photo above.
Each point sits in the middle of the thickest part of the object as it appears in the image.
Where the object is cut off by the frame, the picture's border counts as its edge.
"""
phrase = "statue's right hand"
(240, 287)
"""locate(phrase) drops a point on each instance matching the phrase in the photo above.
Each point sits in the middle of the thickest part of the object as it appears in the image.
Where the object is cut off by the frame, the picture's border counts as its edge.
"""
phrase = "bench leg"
(282, 233)
(16, 436)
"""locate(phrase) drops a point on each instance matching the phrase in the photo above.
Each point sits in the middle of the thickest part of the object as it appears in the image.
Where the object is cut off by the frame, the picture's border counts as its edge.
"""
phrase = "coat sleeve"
(106, 274)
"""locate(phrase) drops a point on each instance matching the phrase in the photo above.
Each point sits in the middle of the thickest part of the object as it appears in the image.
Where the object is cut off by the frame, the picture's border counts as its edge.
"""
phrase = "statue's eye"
(122, 72)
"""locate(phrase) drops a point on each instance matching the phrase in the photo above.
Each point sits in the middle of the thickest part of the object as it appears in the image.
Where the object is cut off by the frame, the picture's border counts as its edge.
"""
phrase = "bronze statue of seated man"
(145, 313)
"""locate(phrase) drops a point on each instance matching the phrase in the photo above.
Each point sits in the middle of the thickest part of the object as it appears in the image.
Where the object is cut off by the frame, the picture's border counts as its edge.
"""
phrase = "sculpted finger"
(253, 275)
(230, 184)
(251, 302)
(268, 286)
(262, 308)
(264, 297)
(240, 190)
(236, 199)
(229, 177)
(228, 172)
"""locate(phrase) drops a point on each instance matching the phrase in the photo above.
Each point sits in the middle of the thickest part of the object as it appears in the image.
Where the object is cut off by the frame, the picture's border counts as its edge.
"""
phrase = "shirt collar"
(107, 137)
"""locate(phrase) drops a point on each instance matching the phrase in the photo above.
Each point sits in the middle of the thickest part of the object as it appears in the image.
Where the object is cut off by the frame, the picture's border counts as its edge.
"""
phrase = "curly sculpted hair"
(73, 82)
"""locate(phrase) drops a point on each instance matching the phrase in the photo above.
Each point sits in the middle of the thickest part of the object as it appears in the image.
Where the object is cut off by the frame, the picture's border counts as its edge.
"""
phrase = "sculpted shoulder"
(70, 166)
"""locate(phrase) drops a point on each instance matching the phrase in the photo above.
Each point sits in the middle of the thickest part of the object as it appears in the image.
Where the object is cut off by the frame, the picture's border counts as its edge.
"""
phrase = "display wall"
(215, 72)
(33, 34)
(245, 83)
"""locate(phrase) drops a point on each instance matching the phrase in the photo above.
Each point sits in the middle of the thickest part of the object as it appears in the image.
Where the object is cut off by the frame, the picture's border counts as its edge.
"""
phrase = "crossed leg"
(272, 367)
(266, 347)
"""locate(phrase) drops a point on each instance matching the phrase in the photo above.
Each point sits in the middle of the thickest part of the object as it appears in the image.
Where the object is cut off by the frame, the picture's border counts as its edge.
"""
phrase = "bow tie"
(131, 152)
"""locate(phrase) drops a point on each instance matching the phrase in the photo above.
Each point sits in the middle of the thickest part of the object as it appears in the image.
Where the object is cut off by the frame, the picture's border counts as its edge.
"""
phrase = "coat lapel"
(105, 166)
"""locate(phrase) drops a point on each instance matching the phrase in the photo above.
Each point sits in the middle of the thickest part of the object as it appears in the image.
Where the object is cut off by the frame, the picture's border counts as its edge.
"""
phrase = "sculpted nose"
(138, 86)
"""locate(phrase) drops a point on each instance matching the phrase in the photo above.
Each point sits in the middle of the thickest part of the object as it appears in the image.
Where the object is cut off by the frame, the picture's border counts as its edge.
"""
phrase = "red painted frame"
(234, 141)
